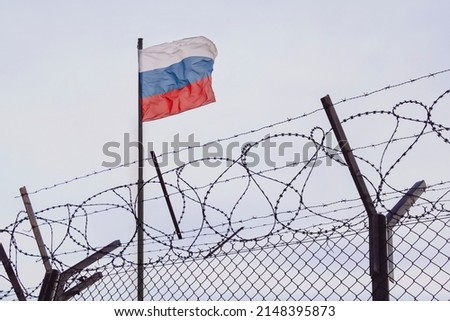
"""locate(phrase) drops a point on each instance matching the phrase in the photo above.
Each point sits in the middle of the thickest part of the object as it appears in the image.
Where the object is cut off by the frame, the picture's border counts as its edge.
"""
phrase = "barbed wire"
(252, 211)
(389, 87)
(256, 130)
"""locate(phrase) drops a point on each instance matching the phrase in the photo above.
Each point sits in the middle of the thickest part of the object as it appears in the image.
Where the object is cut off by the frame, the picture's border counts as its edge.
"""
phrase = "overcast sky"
(69, 73)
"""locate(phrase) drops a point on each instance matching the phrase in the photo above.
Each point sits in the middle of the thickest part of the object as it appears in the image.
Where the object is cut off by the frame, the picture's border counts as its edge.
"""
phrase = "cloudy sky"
(69, 73)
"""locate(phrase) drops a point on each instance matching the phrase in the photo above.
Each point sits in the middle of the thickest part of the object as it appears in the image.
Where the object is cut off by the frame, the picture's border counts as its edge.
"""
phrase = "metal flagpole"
(140, 195)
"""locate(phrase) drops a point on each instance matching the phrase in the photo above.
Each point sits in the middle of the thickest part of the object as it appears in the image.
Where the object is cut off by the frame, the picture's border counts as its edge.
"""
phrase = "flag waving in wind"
(176, 76)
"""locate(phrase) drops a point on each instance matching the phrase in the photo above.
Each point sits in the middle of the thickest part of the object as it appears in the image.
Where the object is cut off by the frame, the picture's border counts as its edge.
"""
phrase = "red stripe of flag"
(179, 100)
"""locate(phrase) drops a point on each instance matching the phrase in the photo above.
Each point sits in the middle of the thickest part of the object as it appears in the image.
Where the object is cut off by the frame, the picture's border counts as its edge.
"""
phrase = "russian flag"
(176, 76)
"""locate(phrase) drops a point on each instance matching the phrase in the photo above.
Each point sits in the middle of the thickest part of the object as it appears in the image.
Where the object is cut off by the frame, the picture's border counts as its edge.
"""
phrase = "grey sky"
(69, 69)
(69, 73)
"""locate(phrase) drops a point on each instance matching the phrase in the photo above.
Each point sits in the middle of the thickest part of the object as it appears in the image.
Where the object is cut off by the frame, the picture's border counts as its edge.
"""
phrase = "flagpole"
(140, 195)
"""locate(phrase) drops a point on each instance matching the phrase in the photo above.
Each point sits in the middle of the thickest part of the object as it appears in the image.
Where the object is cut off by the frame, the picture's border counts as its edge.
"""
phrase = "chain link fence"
(294, 266)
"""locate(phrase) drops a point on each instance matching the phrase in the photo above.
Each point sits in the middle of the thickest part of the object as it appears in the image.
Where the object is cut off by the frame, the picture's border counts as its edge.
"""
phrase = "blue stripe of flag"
(176, 76)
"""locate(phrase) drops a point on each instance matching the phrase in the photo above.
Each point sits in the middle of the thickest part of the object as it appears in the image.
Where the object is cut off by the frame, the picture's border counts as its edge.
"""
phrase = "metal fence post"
(11, 275)
(49, 286)
(380, 280)
(377, 246)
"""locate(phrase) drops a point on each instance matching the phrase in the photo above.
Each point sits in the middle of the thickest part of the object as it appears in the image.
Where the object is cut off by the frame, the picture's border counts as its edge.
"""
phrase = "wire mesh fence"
(257, 230)
(290, 266)
(421, 258)
(294, 266)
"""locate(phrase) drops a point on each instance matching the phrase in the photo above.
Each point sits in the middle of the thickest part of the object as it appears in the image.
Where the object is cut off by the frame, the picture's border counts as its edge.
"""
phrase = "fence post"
(166, 194)
(11, 275)
(377, 247)
(380, 280)
(35, 228)
(60, 294)
(49, 286)
(396, 214)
